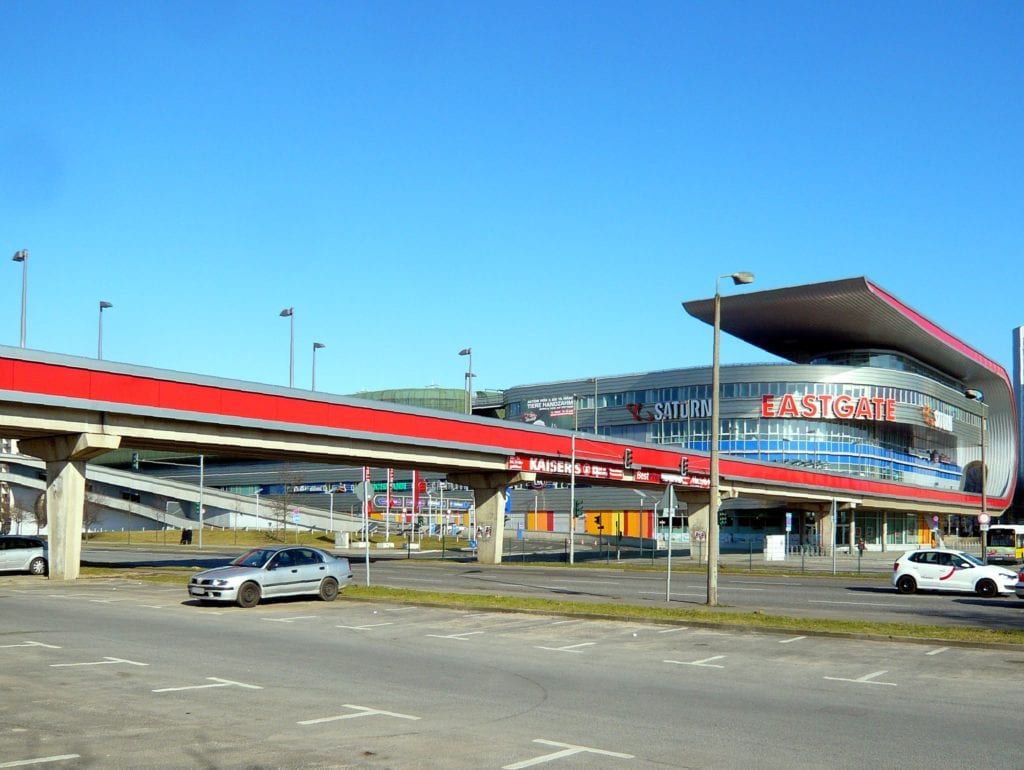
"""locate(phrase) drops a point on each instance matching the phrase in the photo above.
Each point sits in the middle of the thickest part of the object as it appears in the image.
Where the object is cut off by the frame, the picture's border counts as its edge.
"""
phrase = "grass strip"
(721, 616)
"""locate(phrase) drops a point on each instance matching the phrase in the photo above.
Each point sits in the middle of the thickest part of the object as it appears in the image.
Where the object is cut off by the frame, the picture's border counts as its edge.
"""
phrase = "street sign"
(789, 522)
(668, 500)
(984, 518)
(362, 490)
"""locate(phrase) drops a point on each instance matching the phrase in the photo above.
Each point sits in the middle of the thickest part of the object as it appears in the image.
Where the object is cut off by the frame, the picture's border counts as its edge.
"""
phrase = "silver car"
(23, 554)
(287, 570)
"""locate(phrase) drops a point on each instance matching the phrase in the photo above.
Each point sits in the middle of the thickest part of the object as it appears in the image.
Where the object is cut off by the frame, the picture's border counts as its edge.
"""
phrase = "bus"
(1005, 543)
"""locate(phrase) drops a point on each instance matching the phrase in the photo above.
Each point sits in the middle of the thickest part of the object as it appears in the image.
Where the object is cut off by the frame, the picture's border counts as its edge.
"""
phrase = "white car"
(24, 554)
(940, 569)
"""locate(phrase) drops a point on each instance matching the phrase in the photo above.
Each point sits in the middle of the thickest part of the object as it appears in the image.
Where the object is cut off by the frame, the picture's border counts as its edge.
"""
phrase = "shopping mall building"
(865, 396)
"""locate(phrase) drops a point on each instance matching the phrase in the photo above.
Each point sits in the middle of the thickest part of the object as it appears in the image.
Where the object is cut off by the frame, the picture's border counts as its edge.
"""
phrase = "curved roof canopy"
(798, 323)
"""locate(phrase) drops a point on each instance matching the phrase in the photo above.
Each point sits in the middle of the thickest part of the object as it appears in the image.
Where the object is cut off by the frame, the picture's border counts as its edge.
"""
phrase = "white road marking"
(703, 662)
(289, 620)
(461, 637)
(568, 648)
(673, 630)
(107, 601)
(859, 604)
(39, 760)
(568, 749)
(366, 627)
(400, 609)
(936, 652)
(866, 679)
(363, 711)
(221, 683)
(154, 606)
(105, 662)
(563, 622)
(793, 639)
(31, 644)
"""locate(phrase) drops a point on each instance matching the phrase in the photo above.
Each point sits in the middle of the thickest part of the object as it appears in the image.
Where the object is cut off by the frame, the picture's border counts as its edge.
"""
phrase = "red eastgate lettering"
(828, 407)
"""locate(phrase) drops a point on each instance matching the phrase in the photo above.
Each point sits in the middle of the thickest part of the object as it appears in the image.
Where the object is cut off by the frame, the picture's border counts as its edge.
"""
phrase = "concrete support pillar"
(489, 494)
(697, 508)
(66, 457)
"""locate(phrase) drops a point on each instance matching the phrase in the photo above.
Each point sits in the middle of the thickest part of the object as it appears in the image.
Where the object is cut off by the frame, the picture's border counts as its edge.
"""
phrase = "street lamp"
(737, 279)
(469, 379)
(316, 346)
(594, 380)
(572, 482)
(289, 312)
(977, 395)
(22, 256)
(99, 346)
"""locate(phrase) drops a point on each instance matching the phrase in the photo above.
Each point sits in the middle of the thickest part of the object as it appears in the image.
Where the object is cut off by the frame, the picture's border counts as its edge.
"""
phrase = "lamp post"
(572, 483)
(469, 379)
(977, 395)
(99, 345)
(594, 380)
(22, 256)
(737, 279)
(289, 313)
(316, 346)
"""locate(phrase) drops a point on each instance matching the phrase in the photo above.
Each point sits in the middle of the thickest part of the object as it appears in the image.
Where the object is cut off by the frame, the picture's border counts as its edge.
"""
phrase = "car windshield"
(974, 560)
(255, 558)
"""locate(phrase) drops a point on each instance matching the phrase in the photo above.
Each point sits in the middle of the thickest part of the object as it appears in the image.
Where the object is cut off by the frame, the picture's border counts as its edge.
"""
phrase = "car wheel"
(329, 589)
(37, 566)
(986, 588)
(248, 595)
(906, 585)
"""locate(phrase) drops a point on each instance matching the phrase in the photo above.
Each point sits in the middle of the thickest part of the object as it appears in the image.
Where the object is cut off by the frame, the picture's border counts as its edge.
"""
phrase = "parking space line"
(936, 652)
(105, 662)
(221, 683)
(366, 627)
(704, 662)
(289, 620)
(31, 644)
(866, 679)
(673, 630)
(39, 760)
(568, 648)
(460, 637)
(568, 749)
(362, 711)
(792, 639)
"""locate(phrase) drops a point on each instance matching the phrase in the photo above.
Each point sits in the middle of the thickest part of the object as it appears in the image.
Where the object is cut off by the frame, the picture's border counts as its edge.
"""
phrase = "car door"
(961, 575)
(280, 575)
(945, 574)
(311, 569)
(6, 554)
(926, 567)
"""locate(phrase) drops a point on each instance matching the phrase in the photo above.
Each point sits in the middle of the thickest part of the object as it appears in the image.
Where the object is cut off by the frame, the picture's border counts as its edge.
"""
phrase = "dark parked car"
(19, 553)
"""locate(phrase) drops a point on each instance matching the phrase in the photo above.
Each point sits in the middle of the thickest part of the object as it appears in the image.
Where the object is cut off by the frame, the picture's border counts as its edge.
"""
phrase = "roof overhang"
(798, 323)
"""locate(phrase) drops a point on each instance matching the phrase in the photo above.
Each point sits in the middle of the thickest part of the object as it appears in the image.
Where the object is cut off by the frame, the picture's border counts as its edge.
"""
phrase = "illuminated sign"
(670, 410)
(828, 407)
(586, 470)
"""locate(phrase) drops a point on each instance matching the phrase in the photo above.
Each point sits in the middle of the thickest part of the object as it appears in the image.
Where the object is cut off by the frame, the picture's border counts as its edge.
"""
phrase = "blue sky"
(544, 182)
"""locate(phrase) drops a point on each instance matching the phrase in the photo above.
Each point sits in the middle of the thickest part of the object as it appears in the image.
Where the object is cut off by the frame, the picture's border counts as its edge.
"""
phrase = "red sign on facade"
(828, 407)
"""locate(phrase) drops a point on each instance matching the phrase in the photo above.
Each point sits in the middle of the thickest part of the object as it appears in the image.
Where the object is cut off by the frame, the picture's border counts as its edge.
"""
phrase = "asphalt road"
(122, 674)
(793, 594)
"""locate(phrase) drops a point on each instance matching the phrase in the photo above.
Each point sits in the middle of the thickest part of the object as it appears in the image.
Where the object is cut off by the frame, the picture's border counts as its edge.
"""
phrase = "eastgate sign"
(827, 407)
(671, 410)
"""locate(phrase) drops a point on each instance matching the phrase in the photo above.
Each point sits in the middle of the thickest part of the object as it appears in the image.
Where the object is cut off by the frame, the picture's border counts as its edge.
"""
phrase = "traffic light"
(627, 458)
(577, 508)
(684, 466)
(600, 522)
(722, 519)
(135, 461)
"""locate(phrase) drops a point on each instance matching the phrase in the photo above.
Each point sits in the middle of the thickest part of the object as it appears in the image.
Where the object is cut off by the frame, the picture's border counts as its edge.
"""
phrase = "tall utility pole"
(737, 278)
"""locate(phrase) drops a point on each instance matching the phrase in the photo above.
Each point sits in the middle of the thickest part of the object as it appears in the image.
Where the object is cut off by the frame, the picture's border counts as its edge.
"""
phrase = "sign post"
(668, 503)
